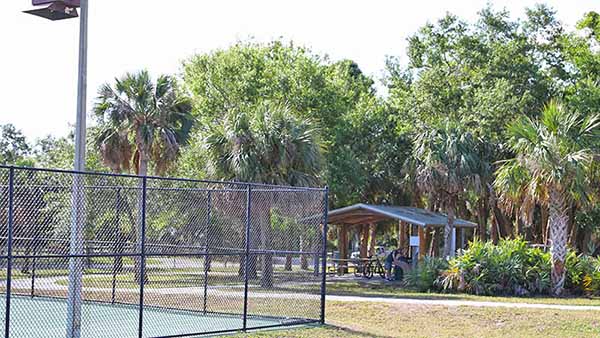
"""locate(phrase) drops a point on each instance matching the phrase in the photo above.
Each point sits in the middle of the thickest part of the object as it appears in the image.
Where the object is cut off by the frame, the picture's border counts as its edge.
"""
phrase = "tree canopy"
(460, 106)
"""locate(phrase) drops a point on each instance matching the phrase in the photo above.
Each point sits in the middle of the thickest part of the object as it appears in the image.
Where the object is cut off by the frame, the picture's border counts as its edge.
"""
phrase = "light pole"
(58, 10)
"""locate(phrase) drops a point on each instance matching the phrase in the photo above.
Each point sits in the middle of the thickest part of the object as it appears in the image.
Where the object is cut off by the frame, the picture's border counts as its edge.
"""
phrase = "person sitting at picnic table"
(393, 259)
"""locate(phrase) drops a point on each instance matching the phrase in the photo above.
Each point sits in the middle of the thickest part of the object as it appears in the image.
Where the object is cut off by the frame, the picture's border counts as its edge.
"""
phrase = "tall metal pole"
(247, 255)
(207, 258)
(9, 249)
(142, 258)
(324, 253)
(74, 298)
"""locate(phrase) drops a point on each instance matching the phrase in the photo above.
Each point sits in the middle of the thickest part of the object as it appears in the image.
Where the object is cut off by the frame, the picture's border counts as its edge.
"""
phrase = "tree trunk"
(572, 227)
(545, 228)
(482, 217)
(266, 277)
(403, 239)
(303, 258)
(448, 228)
(503, 226)
(342, 247)
(364, 240)
(494, 231)
(422, 242)
(558, 220)
(288, 263)
(373, 241)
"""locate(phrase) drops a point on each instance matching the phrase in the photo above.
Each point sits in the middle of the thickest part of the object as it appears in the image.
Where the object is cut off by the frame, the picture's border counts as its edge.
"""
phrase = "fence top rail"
(176, 179)
(125, 187)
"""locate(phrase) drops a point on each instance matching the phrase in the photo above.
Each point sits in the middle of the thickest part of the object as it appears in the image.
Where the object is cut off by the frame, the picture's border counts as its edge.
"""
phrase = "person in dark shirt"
(392, 260)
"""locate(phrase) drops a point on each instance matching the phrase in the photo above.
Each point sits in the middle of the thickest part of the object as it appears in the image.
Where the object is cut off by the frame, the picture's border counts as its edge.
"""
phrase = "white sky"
(38, 58)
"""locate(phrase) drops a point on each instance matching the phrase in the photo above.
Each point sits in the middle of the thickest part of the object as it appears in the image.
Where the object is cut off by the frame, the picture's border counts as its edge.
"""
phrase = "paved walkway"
(448, 302)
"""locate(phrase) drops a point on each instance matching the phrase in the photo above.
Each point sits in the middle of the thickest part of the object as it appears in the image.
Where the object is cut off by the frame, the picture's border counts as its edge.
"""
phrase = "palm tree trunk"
(449, 226)
(266, 280)
(288, 263)
(303, 259)
(373, 241)
(482, 216)
(545, 227)
(558, 221)
(364, 240)
(572, 227)
(494, 232)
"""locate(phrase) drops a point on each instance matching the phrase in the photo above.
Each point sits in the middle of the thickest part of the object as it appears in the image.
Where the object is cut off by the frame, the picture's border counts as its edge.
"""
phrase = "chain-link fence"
(102, 255)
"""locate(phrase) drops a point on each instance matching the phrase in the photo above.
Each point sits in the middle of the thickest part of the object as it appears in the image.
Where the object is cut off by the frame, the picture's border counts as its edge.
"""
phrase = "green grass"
(126, 260)
(371, 290)
(162, 280)
(387, 320)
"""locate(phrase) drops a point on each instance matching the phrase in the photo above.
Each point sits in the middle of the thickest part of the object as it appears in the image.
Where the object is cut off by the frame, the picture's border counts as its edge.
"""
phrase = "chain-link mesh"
(126, 256)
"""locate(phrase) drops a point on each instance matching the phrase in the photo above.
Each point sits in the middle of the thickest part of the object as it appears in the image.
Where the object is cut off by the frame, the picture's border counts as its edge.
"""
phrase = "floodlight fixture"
(57, 9)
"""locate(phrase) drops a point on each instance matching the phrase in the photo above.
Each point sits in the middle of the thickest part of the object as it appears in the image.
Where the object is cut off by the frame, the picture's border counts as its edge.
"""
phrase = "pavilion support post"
(364, 240)
(422, 242)
(453, 243)
(343, 247)
(373, 241)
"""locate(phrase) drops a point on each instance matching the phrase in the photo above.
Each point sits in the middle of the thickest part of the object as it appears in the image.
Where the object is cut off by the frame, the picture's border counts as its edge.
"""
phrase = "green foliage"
(267, 145)
(511, 268)
(13, 146)
(355, 127)
(424, 276)
(552, 153)
(142, 120)
(247, 74)
(583, 274)
(369, 146)
(591, 21)
(481, 75)
(59, 152)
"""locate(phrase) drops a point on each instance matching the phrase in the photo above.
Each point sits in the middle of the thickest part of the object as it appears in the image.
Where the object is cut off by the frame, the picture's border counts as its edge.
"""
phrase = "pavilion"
(415, 228)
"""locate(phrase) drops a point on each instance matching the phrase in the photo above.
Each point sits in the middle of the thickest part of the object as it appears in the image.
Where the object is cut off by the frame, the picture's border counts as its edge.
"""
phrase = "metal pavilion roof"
(368, 213)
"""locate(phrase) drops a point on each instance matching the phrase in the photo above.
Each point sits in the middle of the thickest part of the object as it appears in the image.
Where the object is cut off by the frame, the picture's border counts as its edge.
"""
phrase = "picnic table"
(352, 265)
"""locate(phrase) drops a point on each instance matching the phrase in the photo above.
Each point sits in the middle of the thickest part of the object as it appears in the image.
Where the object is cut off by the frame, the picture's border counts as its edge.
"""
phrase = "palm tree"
(446, 163)
(552, 167)
(141, 121)
(267, 145)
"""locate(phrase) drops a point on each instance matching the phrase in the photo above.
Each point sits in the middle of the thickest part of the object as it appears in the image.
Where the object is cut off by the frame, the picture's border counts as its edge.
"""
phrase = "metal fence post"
(117, 246)
(324, 254)
(143, 259)
(11, 178)
(247, 255)
(33, 266)
(207, 258)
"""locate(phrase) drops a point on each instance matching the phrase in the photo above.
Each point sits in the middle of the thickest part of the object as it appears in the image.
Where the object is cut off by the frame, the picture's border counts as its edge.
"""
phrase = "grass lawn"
(370, 290)
(387, 320)
(155, 280)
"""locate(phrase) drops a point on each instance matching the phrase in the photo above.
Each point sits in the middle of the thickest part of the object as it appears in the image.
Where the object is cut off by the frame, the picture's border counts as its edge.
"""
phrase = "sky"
(38, 58)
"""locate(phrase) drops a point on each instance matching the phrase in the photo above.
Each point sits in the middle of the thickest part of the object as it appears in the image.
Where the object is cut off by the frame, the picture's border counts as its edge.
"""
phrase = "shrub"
(509, 268)
(583, 274)
(423, 277)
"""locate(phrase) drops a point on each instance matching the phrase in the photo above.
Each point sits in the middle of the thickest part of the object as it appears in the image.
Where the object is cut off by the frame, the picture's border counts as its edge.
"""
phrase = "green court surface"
(46, 318)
